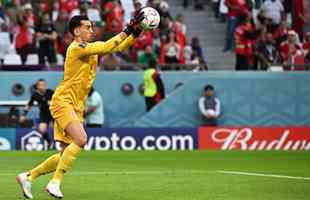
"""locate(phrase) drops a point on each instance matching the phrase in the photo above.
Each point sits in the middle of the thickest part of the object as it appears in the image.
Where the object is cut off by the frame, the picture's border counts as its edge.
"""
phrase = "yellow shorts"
(64, 114)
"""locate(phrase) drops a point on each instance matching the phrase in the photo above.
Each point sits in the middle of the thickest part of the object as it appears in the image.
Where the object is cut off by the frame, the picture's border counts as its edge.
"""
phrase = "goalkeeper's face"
(86, 31)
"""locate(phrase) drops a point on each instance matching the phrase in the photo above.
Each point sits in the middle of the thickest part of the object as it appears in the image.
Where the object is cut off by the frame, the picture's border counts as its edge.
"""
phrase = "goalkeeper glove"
(133, 26)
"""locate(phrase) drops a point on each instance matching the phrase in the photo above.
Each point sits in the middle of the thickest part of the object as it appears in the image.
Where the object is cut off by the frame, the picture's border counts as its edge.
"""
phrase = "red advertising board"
(244, 138)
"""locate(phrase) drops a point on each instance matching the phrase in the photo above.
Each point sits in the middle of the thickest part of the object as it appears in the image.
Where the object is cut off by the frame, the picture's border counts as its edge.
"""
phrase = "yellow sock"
(48, 166)
(66, 161)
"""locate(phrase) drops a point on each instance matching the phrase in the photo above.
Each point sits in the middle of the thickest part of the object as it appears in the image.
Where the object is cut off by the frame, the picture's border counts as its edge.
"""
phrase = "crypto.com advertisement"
(119, 139)
(203, 138)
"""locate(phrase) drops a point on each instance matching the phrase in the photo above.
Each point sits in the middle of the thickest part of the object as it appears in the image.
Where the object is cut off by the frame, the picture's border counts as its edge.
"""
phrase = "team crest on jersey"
(82, 45)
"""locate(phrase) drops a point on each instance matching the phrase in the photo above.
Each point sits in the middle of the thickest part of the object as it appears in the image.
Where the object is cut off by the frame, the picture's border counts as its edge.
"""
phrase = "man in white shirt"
(209, 106)
(273, 9)
(94, 112)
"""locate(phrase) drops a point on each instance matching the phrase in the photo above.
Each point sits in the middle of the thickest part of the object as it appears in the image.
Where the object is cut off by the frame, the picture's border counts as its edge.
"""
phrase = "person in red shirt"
(118, 13)
(289, 49)
(280, 33)
(23, 39)
(146, 39)
(244, 37)
(68, 5)
(236, 8)
(109, 15)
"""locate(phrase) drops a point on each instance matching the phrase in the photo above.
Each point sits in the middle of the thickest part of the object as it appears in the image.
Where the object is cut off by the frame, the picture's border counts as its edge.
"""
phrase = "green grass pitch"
(172, 175)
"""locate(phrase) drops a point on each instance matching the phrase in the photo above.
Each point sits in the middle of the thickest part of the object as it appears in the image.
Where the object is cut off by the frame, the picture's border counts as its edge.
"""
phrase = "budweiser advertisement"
(221, 138)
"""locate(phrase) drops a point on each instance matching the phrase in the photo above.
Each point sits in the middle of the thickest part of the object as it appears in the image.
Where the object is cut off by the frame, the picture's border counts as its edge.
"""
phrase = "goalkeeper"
(67, 105)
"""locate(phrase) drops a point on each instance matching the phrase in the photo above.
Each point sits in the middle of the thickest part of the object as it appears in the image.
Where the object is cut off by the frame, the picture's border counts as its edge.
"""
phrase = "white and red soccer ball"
(151, 18)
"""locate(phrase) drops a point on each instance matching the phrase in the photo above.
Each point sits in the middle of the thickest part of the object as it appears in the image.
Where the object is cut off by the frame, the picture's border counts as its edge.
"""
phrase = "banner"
(287, 138)
(119, 139)
(216, 138)
(30, 140)
(7, 139)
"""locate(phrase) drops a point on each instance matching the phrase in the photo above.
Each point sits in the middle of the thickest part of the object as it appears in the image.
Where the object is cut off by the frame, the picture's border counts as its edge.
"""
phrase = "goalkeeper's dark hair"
(75, 22)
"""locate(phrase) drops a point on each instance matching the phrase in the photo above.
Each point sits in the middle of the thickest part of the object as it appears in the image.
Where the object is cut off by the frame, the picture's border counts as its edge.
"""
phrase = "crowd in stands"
(34, 28)
(266, 34)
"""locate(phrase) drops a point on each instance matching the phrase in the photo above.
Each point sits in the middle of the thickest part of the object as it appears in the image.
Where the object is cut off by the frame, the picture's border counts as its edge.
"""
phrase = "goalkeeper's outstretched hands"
(133, 26)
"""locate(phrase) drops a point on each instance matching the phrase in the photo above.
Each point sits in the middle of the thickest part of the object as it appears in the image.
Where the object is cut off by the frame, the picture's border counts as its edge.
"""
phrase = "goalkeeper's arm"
(120, 42)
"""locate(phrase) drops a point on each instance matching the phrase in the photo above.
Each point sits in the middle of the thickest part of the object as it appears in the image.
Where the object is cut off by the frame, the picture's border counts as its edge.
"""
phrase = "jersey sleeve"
(124, 46)
(99, 47)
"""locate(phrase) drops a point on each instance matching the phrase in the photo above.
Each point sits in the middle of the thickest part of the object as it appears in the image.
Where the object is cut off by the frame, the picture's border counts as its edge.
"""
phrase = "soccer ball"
(151, 19)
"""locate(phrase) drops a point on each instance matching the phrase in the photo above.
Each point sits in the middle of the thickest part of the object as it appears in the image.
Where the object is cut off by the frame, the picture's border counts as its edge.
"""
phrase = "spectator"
(109, 15)
(146, 56)
(63, 36)
(55, 11)
(215, 8)
(164, 12)
(23, 39)
(68, 5)
(188, 54)
(45, 7)
(61, 22)
(3, 17)
(280, 33)
(156, 43)
(165, 27)
(46, 36)
(236, 8)
(5, 43)
(94, 112)
(172, 49)
(180, 30)
(209, 106)
(298, 18)
(86, 9)
(145, 39)
(28, 15)
(267, 52)
(223, 11)
(306, 16)
(154, 90)
(179, 24)
(196, 47)
(244, 36)
(306, 48)
(290, 49)
(118, 13)
(2, 11)
(42, 95)
(273, 10)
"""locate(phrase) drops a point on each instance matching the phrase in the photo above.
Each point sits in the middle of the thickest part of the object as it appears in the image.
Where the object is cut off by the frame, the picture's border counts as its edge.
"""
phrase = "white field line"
(263, 175)
(158, 172)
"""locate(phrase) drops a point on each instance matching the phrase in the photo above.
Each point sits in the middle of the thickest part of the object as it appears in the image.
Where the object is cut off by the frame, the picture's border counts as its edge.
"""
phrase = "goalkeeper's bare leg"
(77, 132)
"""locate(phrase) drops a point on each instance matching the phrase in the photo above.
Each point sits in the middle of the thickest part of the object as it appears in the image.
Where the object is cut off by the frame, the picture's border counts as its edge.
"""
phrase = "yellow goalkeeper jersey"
(80, 70)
